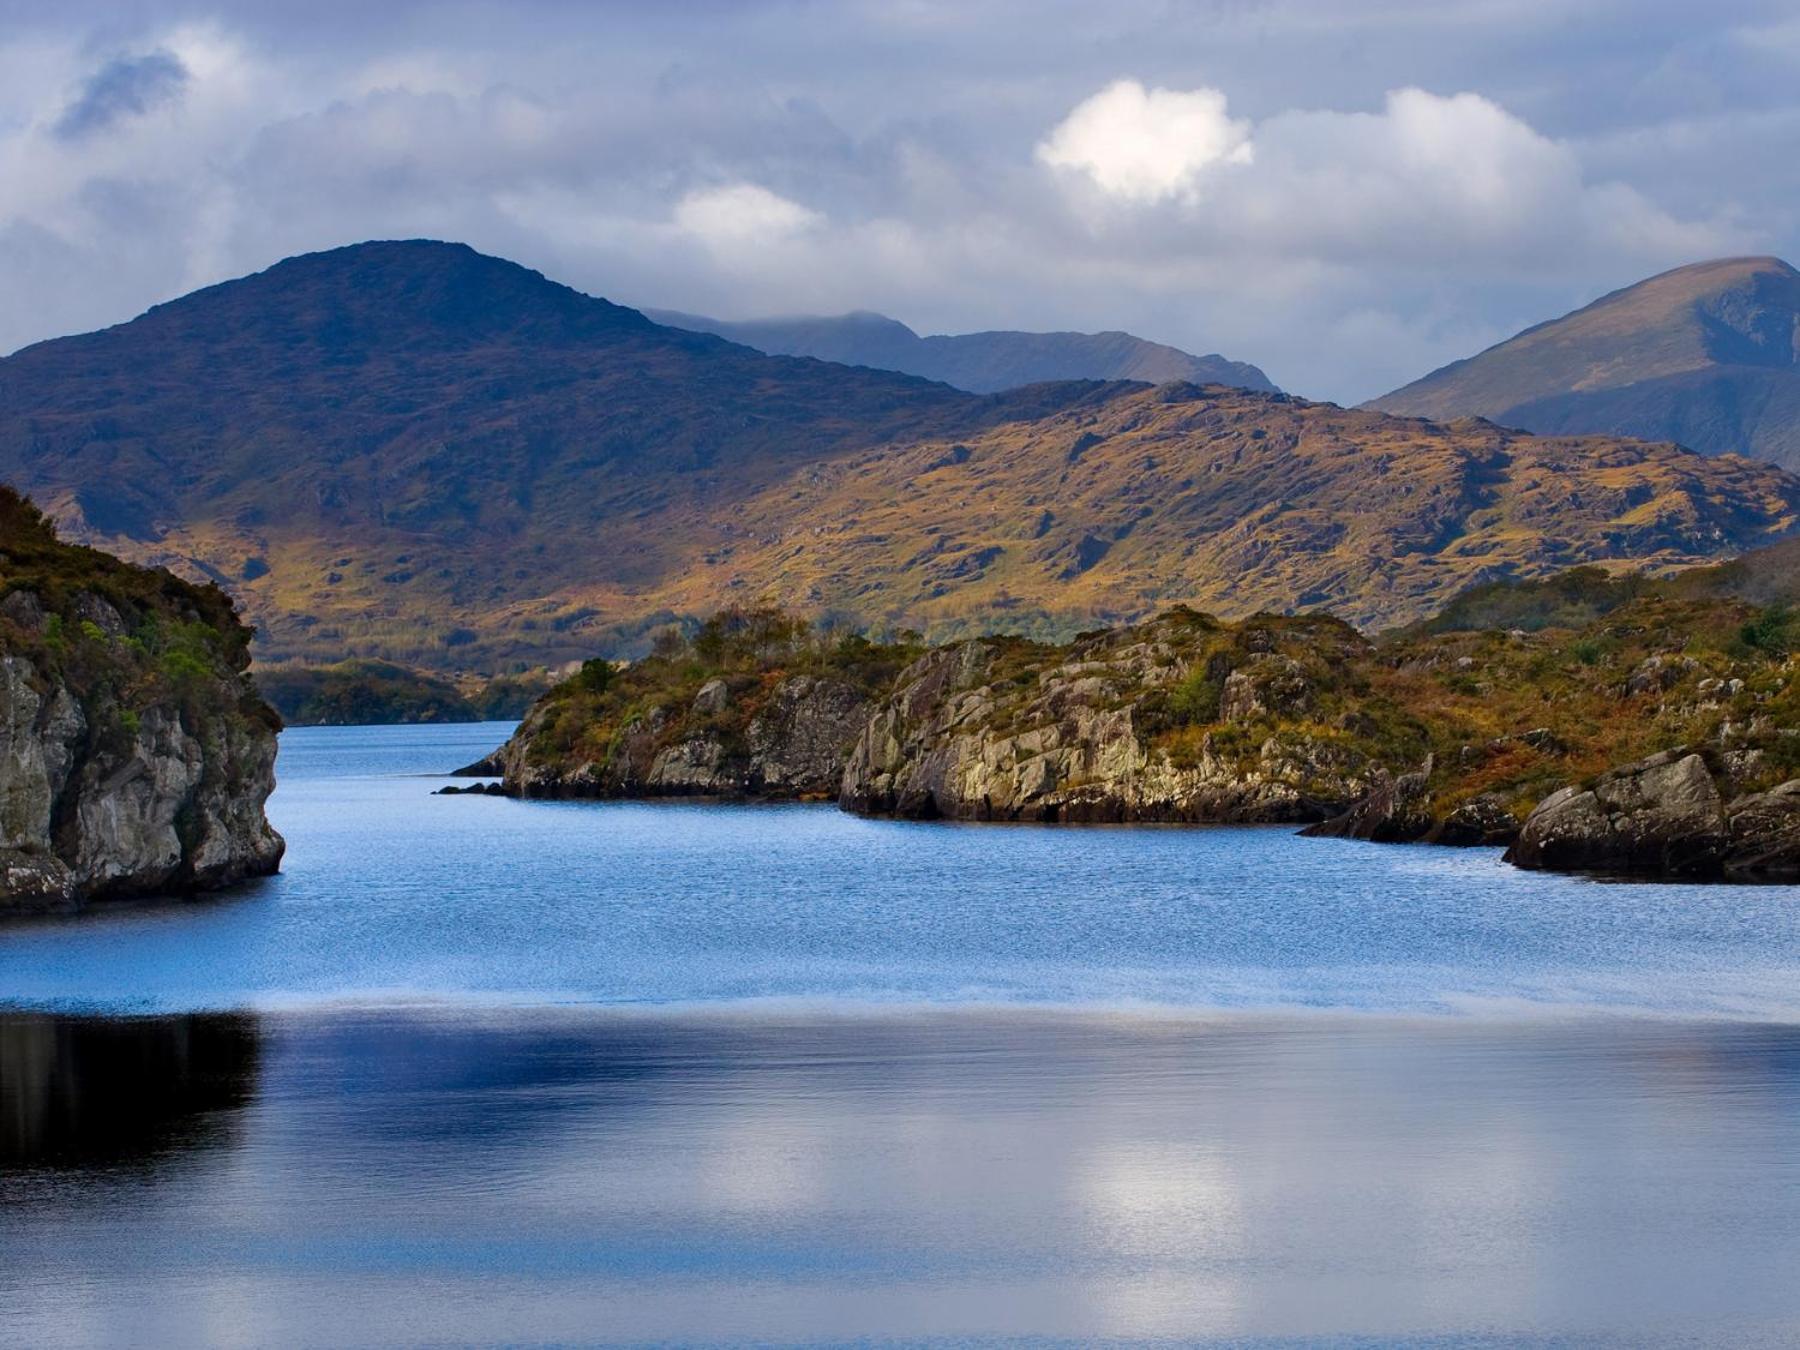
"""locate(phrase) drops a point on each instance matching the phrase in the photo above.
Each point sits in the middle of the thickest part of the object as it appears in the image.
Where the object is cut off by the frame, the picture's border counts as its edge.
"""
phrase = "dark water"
(475, 1071)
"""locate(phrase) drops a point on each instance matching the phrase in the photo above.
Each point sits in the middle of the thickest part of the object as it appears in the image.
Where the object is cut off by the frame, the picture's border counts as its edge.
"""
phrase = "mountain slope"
(980, 362)
(1234, 501)
(1704, 355)
(410, 452)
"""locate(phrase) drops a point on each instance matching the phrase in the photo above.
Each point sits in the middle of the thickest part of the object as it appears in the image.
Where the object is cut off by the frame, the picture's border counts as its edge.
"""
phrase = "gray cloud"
(1415, 180)
(129, 86)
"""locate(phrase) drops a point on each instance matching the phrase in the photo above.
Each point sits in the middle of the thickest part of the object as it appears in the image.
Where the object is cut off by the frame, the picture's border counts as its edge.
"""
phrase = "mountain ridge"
(984, 362)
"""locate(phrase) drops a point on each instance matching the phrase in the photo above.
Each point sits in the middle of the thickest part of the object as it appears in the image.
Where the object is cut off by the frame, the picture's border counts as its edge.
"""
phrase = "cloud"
(122, 89)
(741, 215)
(1147, 145)
(1346, 217)
(1430, 183)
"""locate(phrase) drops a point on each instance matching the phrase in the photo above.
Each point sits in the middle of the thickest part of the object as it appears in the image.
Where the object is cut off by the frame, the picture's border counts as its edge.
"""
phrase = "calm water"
(479, 1071)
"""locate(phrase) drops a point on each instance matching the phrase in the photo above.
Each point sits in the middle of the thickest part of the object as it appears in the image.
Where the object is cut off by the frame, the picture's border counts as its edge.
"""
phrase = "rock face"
(1393, 811)
(135, 755)
(996, 730)
(793, 745)
(1666, 816)
(1399, 810)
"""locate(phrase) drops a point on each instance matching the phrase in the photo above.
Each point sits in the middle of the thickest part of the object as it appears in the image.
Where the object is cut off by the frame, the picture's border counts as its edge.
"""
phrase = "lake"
(475, 1070)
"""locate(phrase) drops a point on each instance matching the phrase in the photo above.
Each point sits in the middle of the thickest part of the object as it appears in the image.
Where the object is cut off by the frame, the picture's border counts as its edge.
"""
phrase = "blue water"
(481, 1072)
(392, 895)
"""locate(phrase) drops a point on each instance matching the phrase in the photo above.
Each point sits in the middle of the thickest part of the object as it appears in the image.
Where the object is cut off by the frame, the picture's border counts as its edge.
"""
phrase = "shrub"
(1195, 701)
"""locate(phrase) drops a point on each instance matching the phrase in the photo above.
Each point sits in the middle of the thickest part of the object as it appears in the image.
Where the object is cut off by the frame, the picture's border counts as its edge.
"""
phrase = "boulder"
(714, 697)
(1662, 816)
(1481, 822)
(1763, 830)
(488, 766)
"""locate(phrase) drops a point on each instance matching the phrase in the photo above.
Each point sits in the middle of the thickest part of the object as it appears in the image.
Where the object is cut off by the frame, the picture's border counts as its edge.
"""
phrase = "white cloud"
(1147, 145)
(743, 215)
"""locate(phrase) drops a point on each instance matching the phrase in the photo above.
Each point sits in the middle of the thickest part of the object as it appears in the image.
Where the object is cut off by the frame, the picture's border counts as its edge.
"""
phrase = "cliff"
(135, 755)
(1180, 719)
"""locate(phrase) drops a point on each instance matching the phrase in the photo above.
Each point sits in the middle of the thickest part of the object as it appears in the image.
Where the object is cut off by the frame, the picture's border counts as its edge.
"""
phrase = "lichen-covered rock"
(135, 755)
(994, 729)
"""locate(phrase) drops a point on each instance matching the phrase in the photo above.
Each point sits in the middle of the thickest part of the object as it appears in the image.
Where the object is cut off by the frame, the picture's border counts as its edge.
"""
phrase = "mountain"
(984, 363)
(1707, 356)
(407, 451)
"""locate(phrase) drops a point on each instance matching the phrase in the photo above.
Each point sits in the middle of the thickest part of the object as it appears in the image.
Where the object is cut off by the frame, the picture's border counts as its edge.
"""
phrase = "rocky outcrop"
(135, 755)
(787, 741)
(1666, 816)
(997, 730)
(1395, 810)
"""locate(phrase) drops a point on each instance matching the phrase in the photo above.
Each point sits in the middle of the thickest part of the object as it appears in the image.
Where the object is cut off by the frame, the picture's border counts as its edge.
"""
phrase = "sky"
(1348, 194)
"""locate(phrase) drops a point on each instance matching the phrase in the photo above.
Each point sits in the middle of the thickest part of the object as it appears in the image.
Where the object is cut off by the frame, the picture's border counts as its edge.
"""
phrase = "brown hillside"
(1232, 501)
(411, 452)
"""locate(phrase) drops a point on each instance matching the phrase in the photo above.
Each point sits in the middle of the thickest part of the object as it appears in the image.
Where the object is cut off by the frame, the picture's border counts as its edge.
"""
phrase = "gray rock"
(23, 608)
(1764, 836)
(802, 736)
(714, 697)
(952, 740)
(146, 805)
(1482, 821)
(1395, 810)
(1659, 674)
(1661, 816)
(90, 608)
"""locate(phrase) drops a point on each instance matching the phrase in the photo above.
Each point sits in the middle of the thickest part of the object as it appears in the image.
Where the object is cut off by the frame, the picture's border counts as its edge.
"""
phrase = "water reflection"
(585, 1177)
(82, 1092)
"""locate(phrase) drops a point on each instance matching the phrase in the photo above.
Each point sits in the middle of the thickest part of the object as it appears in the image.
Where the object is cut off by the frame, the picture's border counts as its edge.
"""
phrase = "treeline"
(361, 693)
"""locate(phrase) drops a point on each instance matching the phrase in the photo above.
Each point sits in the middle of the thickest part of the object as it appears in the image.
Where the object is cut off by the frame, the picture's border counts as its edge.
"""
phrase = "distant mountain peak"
(401, 294)
(984, 362)
(1707, 355)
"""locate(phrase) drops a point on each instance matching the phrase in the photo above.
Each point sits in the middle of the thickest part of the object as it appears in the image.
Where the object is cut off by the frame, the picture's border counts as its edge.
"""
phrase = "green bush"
(1195, 701)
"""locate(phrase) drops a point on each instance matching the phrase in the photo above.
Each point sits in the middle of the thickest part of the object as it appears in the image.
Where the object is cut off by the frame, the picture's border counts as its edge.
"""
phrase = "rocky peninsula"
(135, 754)
(1617, 725)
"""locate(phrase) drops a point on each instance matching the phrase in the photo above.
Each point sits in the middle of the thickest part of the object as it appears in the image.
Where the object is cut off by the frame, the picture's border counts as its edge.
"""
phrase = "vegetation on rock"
(1298, 718)
(753, 701)
(1454, 731)
(135, 753)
